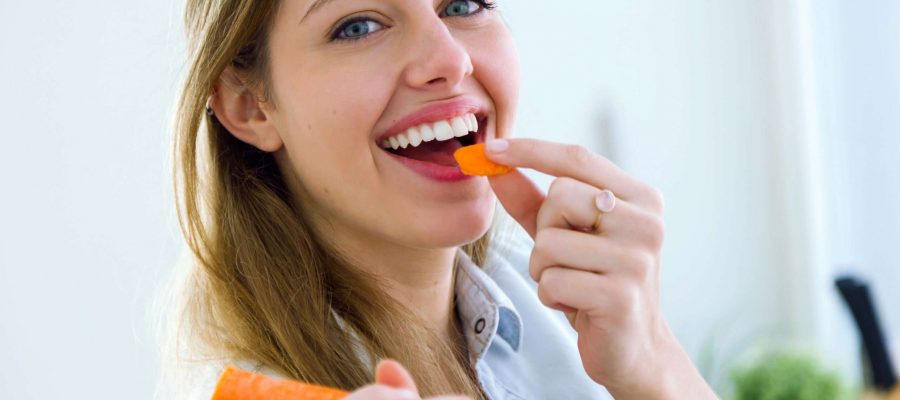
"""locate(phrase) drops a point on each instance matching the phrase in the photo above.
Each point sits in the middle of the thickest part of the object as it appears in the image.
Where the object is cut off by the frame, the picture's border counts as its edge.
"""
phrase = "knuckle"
(543, 242)
(560, 186)
(631, 299)
(649, 229)
(656, 232)
(656, 199)
(548, 286)
(539, 254)
(580, 155)
(529, 146)
(545, 212)
(534, 266)
(641, 265)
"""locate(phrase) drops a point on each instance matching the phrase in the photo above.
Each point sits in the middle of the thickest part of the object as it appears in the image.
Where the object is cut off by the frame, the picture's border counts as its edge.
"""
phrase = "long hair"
(261, 285)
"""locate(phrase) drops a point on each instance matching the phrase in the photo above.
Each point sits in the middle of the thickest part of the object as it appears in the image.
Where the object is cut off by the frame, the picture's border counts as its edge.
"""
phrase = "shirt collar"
(483, 309)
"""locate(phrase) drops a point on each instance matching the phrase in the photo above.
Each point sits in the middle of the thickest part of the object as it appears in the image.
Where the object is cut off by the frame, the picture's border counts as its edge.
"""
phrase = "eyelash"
(484, 4)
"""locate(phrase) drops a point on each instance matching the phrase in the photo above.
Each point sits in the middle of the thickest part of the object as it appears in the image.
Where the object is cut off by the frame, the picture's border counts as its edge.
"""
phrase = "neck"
(424, 282)
(422, 279)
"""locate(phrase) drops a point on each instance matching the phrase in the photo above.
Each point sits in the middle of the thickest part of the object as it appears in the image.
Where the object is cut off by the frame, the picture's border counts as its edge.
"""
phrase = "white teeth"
(459, 127)
(443, 131)
(427, 133)
(414, 138)
(468, 120)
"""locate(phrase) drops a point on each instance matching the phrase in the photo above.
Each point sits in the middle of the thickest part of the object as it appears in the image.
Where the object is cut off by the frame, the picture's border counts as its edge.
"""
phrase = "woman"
(331, 229)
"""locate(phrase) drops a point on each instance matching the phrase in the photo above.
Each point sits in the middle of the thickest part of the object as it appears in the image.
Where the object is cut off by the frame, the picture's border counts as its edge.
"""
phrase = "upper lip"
(434, 113)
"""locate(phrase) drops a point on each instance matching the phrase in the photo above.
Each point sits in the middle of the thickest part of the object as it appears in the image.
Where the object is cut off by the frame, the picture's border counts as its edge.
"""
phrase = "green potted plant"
(786, 375)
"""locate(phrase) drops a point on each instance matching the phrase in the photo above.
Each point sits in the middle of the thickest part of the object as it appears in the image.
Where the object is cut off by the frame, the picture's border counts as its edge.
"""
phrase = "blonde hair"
(262, 286)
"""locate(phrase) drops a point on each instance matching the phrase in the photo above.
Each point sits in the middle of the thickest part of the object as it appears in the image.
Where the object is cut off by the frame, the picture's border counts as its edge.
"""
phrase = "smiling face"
(351, 77)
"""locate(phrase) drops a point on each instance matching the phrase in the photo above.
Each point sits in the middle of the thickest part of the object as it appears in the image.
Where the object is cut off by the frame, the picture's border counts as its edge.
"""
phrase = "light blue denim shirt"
(521, 349)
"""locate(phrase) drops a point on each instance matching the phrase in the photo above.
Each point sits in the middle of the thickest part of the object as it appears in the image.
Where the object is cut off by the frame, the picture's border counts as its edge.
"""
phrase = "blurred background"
(771, 126)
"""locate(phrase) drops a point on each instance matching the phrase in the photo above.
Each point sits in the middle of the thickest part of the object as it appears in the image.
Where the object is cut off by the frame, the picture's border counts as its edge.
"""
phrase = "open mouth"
(437, 141)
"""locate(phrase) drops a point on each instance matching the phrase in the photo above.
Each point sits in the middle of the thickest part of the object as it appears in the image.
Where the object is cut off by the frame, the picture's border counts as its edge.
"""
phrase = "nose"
(438, 60)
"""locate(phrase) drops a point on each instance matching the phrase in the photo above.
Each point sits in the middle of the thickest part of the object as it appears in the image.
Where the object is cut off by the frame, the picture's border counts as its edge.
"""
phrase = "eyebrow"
(315, 6)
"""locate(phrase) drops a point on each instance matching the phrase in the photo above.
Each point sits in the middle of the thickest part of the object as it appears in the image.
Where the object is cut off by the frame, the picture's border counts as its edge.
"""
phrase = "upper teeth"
(441, 130)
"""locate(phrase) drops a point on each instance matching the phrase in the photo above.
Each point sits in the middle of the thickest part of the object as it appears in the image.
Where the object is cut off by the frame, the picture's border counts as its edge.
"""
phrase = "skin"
(331, 99)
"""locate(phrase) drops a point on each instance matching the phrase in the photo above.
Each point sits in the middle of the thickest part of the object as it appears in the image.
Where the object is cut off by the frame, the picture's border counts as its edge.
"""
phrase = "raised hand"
(598, 235)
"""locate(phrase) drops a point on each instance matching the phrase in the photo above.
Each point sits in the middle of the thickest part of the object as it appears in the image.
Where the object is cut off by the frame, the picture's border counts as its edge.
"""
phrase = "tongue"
(434, 152)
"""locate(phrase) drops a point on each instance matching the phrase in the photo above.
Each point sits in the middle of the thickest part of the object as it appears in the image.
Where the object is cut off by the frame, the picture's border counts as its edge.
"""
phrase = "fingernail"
(497, 145)
(606, 201)
(407, 394)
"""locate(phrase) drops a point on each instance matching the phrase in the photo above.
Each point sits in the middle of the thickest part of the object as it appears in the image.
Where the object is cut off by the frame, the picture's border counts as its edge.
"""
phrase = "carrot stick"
(236, 384)
(473, 161)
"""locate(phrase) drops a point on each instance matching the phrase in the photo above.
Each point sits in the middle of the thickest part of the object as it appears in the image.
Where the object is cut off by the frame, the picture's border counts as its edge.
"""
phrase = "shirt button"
(479, 325)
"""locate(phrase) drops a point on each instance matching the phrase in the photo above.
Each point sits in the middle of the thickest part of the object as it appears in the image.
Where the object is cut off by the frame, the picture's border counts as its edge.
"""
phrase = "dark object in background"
(856, 295)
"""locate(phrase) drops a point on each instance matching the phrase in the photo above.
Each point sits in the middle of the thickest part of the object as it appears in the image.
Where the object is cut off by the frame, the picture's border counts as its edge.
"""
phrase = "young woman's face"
(349, 75)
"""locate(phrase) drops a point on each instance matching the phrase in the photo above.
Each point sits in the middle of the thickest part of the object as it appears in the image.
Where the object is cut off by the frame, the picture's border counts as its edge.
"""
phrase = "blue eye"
(361, 27)
(463, 8)
(356, 29)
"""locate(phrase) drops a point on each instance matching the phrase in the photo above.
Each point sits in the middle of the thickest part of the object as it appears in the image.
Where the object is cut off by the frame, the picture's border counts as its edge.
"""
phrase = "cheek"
(328, 121)
(496, 65)
(327, 117)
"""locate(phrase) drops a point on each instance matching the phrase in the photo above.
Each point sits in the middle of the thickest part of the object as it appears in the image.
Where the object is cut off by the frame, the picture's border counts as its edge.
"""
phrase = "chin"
(454, 228)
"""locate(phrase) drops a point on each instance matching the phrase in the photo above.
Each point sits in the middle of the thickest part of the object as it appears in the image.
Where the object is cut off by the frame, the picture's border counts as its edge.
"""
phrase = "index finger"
(566, 160)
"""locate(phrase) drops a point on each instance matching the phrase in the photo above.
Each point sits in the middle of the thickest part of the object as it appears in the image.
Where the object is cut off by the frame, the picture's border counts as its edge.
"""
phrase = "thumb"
(391, 373)
(520, 197)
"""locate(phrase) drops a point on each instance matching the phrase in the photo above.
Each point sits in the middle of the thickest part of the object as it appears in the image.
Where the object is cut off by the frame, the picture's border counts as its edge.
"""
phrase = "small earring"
(209, 110)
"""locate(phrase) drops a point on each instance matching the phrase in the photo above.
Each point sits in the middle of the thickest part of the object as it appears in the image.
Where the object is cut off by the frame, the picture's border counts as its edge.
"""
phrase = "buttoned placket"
(486, 314)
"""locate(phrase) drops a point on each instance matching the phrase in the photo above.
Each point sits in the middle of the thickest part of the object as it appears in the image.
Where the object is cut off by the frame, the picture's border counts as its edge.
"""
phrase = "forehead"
(310, 7)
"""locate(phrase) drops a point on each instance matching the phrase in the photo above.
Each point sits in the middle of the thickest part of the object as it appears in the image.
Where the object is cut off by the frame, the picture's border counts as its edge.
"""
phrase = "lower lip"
(436, 172)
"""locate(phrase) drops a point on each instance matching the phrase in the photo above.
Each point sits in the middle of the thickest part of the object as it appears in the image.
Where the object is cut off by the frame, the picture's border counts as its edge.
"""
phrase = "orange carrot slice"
(473, 161)
(236, 384)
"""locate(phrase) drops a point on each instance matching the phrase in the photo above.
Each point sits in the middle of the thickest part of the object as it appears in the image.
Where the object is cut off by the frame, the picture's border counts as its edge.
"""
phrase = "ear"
(240, 111)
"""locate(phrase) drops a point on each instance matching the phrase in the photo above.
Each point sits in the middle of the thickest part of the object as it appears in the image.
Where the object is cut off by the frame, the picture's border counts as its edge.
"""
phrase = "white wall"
(704, 99)
(772, 129)
(857, 51)
(86, 223)
(677, 93)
